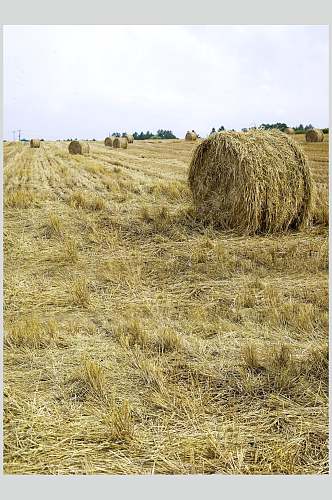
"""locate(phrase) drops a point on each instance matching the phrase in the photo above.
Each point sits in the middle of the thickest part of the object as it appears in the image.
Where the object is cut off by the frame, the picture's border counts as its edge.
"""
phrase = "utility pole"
(19, 134)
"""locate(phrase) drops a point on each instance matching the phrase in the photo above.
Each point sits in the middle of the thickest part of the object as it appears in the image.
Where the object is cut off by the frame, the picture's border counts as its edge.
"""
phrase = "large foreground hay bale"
(78, 148)
(120, 142)
(314, 135)
(108, 141)
(35, 143)
(130, 138)
(253, 182)
(191, 136)
(289, 130)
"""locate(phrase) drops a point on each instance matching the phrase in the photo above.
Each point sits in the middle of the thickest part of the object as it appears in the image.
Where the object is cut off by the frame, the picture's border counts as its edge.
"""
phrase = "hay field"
(138, 341)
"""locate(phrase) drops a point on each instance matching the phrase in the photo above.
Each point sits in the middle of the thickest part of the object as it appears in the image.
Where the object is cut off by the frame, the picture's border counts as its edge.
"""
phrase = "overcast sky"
(86, 81)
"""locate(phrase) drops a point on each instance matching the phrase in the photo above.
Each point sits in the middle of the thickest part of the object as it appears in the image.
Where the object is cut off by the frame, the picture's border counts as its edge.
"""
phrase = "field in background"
(138, 341)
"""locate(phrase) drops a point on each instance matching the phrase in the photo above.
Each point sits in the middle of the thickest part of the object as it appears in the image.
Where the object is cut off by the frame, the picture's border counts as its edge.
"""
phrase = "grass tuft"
(80, 293)
(21, 198)
(32, 333)
(88, 201)
(120, 423)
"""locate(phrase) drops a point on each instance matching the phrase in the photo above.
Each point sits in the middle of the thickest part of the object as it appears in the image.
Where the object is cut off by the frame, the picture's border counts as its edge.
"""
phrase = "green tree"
(278, 125)
(165, 134)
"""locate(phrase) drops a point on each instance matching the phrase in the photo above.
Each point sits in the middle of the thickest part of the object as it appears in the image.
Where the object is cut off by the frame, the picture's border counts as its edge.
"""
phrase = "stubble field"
(139, 341)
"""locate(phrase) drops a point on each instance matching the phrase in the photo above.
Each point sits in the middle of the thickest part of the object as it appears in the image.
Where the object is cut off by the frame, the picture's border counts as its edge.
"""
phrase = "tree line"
(168, 134)
(300, 129)
(161, 134)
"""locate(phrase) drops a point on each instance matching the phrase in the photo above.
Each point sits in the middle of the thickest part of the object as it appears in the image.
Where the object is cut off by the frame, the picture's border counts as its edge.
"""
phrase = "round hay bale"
(108, 141)
(120, 142)
(289, 130)
(314, 135)
(35, 143)
(191, 136)
(78, 148)
(130, 138)
(253, 182)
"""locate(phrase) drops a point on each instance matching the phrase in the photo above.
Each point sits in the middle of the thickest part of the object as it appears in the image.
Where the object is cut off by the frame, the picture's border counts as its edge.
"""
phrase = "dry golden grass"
(139, 340)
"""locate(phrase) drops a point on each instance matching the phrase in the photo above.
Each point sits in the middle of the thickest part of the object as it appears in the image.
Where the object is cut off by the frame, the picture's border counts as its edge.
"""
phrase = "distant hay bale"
(289, 130)
(120, 142)
(314, 135)
(191, 136)
(78, 148)
(108, 141)
(130, 138)
(35, 143)
(253, 182)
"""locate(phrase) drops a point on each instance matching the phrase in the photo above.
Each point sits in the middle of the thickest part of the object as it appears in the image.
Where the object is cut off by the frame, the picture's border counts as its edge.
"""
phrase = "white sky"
(86, 81)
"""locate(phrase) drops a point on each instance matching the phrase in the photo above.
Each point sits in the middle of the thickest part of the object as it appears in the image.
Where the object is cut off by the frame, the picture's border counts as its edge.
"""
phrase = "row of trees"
(161, 134)
(300, 129)
(281, 126)
(168, 134)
